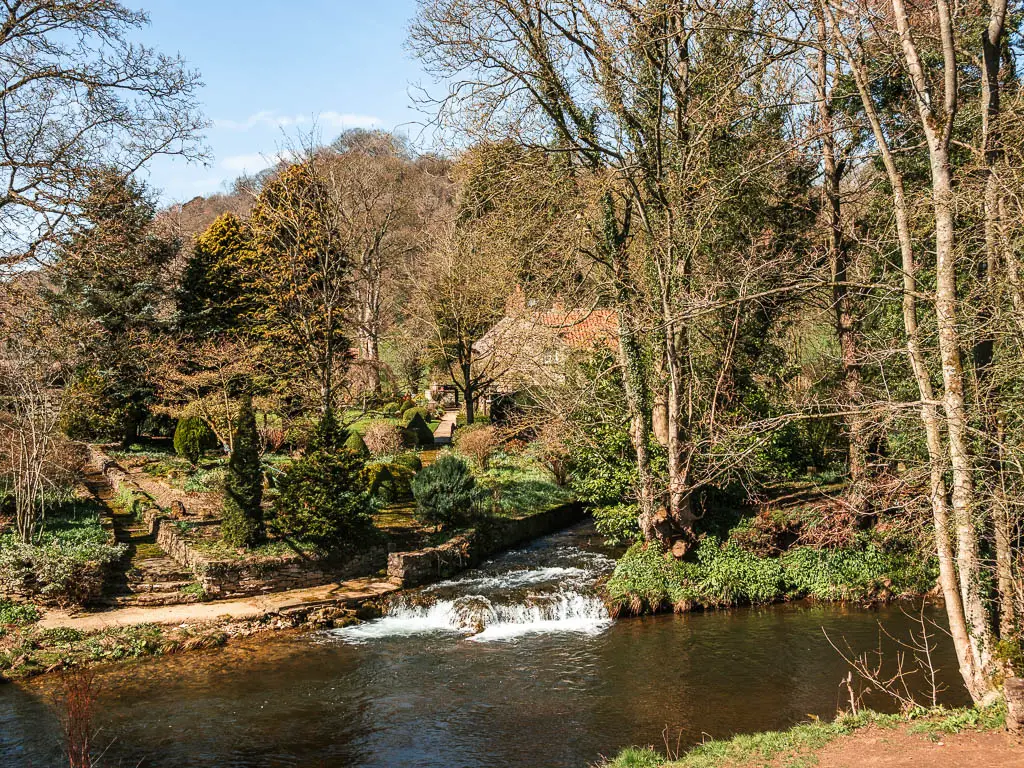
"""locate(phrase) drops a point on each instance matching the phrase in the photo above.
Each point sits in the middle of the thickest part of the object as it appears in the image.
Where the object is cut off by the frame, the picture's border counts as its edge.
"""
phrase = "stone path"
(443, 433)
(353, 591)
(147, 574)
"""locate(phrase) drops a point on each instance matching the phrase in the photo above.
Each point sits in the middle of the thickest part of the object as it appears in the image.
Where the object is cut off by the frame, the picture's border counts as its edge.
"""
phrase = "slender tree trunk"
(838, 255)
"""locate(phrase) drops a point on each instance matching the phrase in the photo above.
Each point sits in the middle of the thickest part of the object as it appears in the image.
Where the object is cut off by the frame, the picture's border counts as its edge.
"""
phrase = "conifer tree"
(243, 489)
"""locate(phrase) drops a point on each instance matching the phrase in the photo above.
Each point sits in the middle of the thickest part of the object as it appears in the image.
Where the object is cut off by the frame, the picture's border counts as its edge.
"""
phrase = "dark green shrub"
(391, 409)
(380, 483)
(192, 437)
(357, 445)
(324, 498)
(420, 431)
(243, 487)
(411, 461)
(410, 413)
(444, 491)
(327, 435)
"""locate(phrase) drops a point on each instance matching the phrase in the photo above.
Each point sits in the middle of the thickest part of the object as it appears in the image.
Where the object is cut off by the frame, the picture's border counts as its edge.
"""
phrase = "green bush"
(646, 579)
(65, 570)
(444, 491)
(243, 487)
(410, 413)
(617, 523)
(357, 445)
(420, 431)
(728, 575)
(192, 437)
(411, 461)
(856, 574)
(380, 483)
(324, 498)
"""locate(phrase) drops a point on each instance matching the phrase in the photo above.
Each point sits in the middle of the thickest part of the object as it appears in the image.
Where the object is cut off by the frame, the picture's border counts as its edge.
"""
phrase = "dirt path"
(905, 747)
(353, 591)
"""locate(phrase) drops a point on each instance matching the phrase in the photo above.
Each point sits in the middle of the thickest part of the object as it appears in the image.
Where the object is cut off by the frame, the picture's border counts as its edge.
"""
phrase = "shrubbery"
(192, 437)
(646, 579)
(479, 442)
(410, 413)
(64, 568)
(411, 461)
(444, 491)
(357, 445)
(389, 482)
(324, 498)
(419, 431)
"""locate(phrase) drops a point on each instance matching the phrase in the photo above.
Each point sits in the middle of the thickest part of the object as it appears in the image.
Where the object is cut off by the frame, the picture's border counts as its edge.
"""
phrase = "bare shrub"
(77, 703)
(383, 439)
(479, 442)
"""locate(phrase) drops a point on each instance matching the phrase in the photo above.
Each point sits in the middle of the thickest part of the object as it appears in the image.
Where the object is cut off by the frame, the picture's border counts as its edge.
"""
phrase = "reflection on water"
(558, 684)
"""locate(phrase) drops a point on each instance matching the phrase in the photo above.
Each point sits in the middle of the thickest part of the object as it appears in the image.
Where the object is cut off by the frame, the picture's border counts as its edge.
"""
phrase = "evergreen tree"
(110, 277)
(212, 296)
(243, 487)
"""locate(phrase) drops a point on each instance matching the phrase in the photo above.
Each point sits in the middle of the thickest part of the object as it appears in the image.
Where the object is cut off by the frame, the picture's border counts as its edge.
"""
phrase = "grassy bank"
(795, 747)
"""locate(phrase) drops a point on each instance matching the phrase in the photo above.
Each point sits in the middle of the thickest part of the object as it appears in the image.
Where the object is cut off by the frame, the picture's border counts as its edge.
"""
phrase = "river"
(514, 665)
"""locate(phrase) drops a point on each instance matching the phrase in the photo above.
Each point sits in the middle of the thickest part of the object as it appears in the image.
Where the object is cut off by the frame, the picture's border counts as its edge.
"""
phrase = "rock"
(1013, 691)
(178, 509)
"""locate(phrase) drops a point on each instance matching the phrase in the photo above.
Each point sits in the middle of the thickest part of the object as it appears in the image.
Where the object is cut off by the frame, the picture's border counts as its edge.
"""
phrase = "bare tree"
(77, 94)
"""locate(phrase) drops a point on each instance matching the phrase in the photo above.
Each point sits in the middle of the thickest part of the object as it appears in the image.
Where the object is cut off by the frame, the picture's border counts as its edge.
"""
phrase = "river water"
(514, 665)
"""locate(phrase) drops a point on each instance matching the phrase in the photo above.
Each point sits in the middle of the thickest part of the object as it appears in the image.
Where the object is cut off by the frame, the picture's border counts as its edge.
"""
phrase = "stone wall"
(423, 566)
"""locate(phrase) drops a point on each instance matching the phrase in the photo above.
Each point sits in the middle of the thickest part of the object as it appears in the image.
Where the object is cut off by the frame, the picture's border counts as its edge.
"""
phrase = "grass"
(33, 651)
(520, 485)
(793, 745)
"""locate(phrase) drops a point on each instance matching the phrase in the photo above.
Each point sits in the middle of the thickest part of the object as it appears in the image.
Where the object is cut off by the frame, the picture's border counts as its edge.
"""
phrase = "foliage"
(324, 498)
(646, 579)
(444, 491)
(617, 523)
(243, 487)
(479, 442)
(389, 482)
(410, 460)
(409, 413)
(327, 435)
(420, 431)
(65, 566)
(383, 438)
(18, 614)
(193, 436)
(212, 297)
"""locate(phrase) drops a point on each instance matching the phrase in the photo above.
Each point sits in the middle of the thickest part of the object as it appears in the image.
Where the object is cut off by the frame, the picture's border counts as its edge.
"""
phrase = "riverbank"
(961, 738)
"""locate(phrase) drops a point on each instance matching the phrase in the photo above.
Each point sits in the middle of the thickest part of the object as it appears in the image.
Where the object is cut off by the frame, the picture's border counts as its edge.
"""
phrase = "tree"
(192, 436)
(300, 274)
(211, 297)
(460, 292)
(111, 275)
(80, 95)
(324, 498)
(243, 487)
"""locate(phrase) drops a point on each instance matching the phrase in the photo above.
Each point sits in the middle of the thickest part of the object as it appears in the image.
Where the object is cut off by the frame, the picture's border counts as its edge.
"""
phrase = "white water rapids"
(546, 588)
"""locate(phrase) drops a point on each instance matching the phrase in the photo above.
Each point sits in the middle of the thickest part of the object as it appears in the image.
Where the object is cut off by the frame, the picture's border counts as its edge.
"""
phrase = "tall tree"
(243, 487)
(112, 276)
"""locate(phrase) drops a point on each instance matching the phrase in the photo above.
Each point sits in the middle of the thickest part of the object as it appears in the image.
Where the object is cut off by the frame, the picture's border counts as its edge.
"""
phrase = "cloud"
(271, 119)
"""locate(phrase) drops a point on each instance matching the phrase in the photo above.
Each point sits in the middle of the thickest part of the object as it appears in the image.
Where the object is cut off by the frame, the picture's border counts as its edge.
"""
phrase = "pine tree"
(243, 487)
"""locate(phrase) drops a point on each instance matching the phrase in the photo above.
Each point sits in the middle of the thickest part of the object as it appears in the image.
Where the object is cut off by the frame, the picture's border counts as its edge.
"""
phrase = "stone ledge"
(424, 566)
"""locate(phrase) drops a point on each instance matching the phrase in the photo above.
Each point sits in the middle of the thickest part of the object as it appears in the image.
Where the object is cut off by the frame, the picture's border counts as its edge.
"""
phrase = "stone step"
(153, 587)
(149, 599)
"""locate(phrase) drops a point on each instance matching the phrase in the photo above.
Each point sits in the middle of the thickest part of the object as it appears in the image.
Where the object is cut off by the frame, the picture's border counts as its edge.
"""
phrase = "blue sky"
(273, 68)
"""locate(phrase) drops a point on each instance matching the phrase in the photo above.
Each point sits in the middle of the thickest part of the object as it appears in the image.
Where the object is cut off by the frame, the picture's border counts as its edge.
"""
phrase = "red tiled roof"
(582, 329)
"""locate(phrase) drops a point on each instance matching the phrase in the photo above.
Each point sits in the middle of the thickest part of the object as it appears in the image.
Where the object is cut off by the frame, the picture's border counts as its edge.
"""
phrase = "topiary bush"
(243, 487)
(193, 436)
(444, 491)
(383, 439)
(325, 498)
(357, 445)
(410, 413)
(380, 483)
(420, 431)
